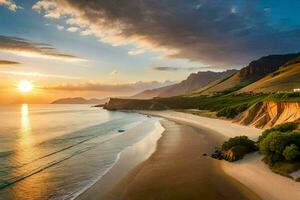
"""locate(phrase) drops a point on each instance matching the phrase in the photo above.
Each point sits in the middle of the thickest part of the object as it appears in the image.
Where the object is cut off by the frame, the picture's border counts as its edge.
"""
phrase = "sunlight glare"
(25, 86)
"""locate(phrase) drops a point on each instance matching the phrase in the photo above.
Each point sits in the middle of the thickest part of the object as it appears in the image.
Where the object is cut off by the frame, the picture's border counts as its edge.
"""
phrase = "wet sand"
(177, 170)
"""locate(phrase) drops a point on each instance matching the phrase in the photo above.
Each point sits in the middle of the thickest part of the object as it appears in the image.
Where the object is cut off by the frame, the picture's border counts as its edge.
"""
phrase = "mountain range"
(252, 73)
(267, 74)
(194, 81)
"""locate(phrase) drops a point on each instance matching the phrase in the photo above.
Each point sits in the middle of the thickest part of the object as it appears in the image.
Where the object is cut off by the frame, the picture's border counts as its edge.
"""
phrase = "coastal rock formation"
(268, 114)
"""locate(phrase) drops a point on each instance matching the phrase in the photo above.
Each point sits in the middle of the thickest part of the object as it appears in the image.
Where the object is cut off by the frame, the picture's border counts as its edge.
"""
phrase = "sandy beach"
(177, 169)
(250, 171)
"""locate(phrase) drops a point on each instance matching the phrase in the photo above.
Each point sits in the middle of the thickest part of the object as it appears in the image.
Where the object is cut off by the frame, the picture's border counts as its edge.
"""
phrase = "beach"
(250, 171)
(177, 169)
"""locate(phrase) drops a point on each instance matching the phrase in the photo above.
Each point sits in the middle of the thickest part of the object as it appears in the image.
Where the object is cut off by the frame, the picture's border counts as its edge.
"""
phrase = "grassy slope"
(225, 105)
(285, 79)
(250, 74)
(213, 103)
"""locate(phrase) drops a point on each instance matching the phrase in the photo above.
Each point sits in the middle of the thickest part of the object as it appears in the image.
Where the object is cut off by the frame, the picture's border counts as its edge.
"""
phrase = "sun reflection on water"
(25, 148)
(34, 186)
(25, 122)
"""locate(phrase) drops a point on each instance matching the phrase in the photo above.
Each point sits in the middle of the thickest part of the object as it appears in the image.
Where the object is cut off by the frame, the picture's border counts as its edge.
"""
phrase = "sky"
(101, 48)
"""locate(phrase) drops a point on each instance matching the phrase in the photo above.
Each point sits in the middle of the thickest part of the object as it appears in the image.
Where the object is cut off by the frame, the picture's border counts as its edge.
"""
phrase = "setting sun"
(25, 86)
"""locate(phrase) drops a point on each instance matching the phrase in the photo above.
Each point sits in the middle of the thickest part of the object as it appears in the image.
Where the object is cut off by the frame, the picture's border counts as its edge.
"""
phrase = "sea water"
(58, 151)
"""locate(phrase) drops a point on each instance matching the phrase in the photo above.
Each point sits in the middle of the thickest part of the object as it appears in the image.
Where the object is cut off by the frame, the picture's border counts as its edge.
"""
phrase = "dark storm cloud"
(25, 47)
(218, 32)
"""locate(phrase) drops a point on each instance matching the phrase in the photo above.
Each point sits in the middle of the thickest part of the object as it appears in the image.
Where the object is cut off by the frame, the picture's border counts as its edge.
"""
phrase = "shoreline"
(177, 170)
(255, 185)
(250, 171)
(127, 160)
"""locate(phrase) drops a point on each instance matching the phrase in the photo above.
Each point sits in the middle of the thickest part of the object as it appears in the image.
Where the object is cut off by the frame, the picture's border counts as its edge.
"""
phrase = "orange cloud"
(10, 5)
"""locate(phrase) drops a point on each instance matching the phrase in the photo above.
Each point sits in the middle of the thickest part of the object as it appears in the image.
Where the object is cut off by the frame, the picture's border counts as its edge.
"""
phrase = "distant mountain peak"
(194, 81)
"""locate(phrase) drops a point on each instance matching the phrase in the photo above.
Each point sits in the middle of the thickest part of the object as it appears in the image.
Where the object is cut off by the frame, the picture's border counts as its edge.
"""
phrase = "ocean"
(59, 151)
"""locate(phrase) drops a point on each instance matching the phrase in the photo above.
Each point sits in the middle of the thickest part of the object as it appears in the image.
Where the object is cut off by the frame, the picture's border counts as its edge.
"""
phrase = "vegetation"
(232, 111)
(286, 127)
(235, 148)
(291, 152)
(233, 89)
(225, 105)
(239, 141)
(229, 105)
(284, 96)
(281, 148)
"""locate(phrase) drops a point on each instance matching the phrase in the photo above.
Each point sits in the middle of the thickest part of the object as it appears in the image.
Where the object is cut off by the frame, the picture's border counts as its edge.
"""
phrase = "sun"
(25, 86)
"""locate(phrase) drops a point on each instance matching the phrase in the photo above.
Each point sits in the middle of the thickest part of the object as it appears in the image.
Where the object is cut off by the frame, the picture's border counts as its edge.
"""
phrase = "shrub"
(274, 143)
(286, 127)
(235, 148)
(239, 151)
(271, 159)
(239, 141)
(280, 146)
(231, 112)
(291, 152)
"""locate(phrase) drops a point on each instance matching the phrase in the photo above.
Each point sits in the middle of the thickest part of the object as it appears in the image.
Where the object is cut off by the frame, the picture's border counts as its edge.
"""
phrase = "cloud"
(218, 33)
(158, 68)
(37, 74)
(28, 48)
(60, 27)
(47, 5)
(8, 62)
(129, 88)
(114, 72)
(136, 52)
(73, 29)
(11, 5)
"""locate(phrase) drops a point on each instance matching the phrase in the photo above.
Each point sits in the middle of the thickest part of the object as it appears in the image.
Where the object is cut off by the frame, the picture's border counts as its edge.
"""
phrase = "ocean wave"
(26, 170)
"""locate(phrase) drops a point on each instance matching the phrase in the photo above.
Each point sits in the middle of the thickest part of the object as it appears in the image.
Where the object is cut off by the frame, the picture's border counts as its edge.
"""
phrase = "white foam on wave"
(150, 140)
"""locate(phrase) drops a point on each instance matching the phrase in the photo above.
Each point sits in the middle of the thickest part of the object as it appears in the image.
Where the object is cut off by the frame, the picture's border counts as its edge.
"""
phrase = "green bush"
(239, 151)
(235, 148)
(274, 143)
(279, 146)
(284, 96)
(286, 127)
(291, 152)
(272, 159)
(239, 141)
(231, 112)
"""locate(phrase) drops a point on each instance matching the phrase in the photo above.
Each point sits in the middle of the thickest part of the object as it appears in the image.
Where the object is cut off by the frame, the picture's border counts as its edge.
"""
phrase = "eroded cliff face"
(268, 114)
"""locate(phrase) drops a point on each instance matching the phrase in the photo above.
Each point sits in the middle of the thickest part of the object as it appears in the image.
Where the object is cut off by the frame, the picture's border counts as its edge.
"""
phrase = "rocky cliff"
(268, 114)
